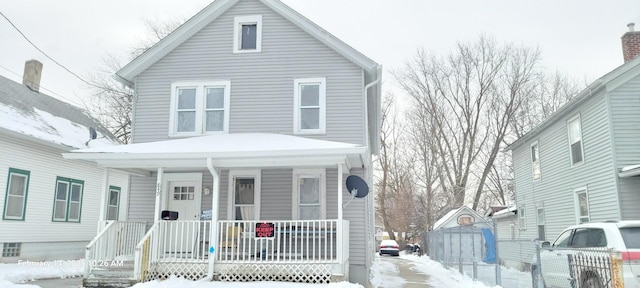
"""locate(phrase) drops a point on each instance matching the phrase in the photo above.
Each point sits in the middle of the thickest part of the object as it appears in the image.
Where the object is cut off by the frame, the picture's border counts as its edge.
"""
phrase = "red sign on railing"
(265, 230)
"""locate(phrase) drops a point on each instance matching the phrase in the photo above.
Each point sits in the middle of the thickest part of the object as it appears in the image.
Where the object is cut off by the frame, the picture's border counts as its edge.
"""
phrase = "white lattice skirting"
(190, 271)
(303, 273)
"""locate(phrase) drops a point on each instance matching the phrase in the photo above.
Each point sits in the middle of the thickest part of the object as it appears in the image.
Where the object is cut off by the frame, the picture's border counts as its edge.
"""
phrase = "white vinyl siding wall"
(556, 189)
(38, 160)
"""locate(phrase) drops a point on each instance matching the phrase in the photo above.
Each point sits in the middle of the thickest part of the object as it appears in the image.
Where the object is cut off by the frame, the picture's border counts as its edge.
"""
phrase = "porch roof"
(226, 151)
(629, 171)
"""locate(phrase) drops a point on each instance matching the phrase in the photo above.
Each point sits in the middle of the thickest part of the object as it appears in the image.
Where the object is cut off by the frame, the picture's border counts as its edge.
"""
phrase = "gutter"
(629, 173)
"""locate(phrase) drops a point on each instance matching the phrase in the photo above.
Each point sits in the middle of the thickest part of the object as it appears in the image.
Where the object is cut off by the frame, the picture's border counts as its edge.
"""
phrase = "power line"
(45, 54)
(44, 88)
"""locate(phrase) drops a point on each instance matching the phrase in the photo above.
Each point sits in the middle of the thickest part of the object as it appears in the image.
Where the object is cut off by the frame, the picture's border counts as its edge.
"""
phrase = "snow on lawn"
(180, 282)
(24, 271)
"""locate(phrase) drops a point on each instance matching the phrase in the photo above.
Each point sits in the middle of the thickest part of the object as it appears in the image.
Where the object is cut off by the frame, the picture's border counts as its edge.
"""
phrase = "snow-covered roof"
(505, 212)
(629, 171)
(455, 212)
(226, 150)
(38, 117)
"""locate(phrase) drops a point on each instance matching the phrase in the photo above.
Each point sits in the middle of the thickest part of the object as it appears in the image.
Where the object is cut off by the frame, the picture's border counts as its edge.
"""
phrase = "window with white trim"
(309, 113)
(582, 205)
(541, 224)
(67, 206)
(309, 189)
(199, 108)
(535, 161)
(15, 200)
(113, 205)
(575, 140)
(522, 218)
(247, 31)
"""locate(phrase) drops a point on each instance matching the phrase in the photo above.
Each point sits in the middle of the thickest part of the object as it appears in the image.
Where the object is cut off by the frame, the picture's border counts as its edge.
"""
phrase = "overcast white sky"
(578, 37)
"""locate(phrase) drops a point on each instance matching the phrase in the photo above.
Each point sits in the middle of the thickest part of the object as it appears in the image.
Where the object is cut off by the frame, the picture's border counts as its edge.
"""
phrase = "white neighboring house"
(50, 205)
(461, 216)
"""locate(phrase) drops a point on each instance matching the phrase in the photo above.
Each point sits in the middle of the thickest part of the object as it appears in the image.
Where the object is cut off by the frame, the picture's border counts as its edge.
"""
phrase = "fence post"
(495, 247)
(475, 270)
(617, 279)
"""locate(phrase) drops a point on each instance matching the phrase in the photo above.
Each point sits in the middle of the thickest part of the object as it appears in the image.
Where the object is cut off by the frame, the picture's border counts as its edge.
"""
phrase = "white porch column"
(103, 199)
(156, 216)
(214, 215)
(339, 236)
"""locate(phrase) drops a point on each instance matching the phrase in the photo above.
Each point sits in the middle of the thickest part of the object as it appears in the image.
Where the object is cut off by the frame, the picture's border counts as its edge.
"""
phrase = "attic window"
(247, 31)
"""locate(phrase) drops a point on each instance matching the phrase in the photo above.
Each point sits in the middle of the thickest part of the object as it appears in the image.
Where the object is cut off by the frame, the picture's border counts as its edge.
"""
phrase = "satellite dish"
(357, 187)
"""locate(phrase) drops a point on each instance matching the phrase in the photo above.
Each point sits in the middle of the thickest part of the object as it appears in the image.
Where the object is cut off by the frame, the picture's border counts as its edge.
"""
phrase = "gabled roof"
(127, 74)
(609, 82)
(37, 117)
(456, 212)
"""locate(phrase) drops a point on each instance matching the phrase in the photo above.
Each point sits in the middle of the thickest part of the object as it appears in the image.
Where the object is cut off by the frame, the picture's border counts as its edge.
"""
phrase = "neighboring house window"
(199, 108)
(310, 106)
(582, 202)
(535, 160)
(15, 200)
(541, 224)
(309, 194)
(67, 206)
(575, 140)
(522, 218)
(247, 31)
(113, 206)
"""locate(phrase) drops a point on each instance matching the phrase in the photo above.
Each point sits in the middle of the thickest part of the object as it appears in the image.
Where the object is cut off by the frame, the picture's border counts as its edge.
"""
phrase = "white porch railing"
(116, 241)
(182, 247)
(172, 243)
(282, 241)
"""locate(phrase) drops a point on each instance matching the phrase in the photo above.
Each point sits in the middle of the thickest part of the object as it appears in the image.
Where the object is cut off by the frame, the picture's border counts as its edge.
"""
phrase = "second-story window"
(247, 31)
(199, 108)
(575, 140)
(535, 161)
(309, 106)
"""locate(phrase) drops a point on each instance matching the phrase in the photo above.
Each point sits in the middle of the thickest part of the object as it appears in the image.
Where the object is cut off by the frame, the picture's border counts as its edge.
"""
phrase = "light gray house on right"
(582, 163)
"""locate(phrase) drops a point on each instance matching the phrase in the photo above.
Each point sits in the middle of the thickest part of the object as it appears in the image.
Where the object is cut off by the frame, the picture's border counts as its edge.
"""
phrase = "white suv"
(622, 236)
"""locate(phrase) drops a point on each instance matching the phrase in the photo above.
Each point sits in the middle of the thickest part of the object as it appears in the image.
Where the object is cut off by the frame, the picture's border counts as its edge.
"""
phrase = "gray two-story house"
(247, 121)
(581, 164)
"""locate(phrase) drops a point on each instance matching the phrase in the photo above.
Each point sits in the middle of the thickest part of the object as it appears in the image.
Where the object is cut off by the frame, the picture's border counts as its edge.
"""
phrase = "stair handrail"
(88, 249)
(140, 253)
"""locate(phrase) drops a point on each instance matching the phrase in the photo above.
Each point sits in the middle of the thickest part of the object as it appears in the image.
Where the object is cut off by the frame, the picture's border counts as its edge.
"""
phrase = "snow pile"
(180, 282)
(24, 271)
(380, 279)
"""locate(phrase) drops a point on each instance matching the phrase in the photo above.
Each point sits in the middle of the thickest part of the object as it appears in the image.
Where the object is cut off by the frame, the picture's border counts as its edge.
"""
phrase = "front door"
(244, 194)
(184, 198)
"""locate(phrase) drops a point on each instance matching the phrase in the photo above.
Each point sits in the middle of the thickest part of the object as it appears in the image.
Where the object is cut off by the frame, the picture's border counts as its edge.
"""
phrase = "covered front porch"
(237, 235)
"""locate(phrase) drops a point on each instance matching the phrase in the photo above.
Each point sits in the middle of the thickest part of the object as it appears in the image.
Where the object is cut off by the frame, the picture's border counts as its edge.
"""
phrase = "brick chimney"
(32, 74)
(630, 43)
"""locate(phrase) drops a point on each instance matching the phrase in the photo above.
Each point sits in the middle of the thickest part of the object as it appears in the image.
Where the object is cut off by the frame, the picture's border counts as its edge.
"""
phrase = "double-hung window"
(199, 108)
(113, 206)
(67, 206)
(15, 200)
(522, 218)
(309, 106)
(582, 205)
(535, 161)
(541, 224)
(247, 31)
(309, 194)
(575, 140)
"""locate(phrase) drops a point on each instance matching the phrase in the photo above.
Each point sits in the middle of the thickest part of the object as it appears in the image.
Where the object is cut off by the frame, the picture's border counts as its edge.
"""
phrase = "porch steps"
(111, 275)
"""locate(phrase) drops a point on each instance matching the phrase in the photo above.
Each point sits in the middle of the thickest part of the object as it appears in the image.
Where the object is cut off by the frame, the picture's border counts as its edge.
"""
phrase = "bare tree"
(469, 99)
(112, 101)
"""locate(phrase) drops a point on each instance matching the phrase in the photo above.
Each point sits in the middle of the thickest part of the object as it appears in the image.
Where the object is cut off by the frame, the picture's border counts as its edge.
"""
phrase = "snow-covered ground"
(17, 275)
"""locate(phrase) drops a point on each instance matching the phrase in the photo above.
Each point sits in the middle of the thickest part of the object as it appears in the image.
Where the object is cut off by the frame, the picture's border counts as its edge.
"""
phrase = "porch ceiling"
(226, 151)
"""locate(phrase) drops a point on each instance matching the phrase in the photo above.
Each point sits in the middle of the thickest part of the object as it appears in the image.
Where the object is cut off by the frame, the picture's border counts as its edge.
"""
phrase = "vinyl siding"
(625, 104)
(555, 189)
(261, 83)
(45, 164)
(276, 197)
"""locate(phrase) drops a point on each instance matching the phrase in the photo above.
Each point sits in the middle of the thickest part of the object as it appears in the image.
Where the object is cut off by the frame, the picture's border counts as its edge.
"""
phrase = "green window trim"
(67, 201)
(109, 205)
(27, 175)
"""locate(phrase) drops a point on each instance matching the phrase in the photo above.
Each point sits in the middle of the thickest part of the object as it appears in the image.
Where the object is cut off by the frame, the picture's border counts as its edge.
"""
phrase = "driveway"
(399, 273)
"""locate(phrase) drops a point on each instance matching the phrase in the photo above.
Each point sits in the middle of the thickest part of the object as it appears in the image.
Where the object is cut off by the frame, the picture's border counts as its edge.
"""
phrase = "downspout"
(214, 216)
(103, 199)
(366, 104)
